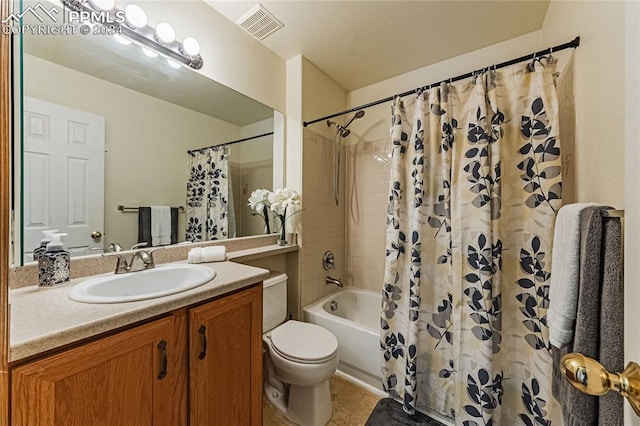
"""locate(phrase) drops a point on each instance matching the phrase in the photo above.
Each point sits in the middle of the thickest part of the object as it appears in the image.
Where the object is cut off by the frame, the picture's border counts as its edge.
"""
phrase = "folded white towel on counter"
(565, 274)
(160, 225)
(207, 254)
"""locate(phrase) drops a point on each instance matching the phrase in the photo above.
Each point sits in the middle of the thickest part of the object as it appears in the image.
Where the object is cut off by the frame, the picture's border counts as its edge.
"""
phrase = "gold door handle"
(96, 235)
(590, 377)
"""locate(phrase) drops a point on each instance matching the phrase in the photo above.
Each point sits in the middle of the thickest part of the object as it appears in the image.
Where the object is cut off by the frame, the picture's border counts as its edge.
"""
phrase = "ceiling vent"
(259, 22)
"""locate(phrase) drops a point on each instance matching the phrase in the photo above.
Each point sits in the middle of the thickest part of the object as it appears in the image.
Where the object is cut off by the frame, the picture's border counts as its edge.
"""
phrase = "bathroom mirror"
(105, 125)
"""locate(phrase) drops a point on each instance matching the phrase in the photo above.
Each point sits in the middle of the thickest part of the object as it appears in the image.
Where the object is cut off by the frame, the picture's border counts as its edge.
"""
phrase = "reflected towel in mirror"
(145, 224)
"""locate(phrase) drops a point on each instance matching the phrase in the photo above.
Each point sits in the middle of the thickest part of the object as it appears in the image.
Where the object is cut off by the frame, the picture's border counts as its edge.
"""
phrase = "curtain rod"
(572, 44)
(229, 143)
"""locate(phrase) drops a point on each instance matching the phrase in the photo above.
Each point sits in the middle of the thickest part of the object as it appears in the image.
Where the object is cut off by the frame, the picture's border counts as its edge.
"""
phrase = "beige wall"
(252, 168)
(231, 56)
(146, 160)
(599, 93)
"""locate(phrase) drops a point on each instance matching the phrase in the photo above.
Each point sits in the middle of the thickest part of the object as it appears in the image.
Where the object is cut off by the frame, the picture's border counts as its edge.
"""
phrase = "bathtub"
(353, 316)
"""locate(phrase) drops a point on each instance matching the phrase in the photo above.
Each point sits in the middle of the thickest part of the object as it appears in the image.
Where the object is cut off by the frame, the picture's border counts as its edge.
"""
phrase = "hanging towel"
(611, 406)
(145, 225)
(160, 225)
(598, 289)
(565, 261)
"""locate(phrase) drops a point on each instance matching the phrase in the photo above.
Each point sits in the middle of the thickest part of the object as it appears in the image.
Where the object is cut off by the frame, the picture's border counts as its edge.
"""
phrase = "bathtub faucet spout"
(336, 281)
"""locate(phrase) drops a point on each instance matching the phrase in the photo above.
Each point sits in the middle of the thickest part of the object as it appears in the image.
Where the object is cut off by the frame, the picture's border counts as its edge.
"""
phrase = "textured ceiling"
(360, 42)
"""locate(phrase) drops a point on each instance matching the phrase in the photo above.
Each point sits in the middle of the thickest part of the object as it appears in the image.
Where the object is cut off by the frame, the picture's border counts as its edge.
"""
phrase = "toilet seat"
(303, 342)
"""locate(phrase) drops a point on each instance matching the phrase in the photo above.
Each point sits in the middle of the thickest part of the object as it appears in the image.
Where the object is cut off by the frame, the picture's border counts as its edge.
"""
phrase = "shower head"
(359, 114)
(342, 130)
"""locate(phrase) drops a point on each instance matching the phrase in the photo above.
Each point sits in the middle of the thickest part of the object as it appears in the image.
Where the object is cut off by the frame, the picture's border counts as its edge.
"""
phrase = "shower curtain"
(475, 186)
(208, 192)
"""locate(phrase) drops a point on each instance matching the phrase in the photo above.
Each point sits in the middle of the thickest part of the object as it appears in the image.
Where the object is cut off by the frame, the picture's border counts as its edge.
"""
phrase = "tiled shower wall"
(367, 185)
(354, 230)
(323, 223)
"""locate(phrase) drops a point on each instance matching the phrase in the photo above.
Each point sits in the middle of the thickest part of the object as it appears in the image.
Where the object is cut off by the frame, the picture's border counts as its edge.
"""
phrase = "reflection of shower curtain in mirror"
(208, 192)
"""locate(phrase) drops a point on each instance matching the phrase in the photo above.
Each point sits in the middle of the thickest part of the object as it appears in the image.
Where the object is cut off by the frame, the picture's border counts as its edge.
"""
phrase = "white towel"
(160, 225)
(565, 274)
(207, 254)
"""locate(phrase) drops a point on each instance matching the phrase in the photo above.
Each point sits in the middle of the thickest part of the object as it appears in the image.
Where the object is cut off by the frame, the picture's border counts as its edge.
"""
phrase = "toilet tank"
(274, 300)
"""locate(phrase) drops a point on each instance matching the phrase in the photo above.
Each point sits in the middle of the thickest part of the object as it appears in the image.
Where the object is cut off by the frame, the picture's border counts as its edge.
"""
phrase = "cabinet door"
(225, 360)
(116, 380)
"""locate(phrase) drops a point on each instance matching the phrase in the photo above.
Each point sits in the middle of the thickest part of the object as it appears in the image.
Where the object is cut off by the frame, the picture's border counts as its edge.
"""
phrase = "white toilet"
(301, 357)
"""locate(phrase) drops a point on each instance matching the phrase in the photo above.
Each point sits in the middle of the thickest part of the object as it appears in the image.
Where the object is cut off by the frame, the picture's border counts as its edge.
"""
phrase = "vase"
(282, 238)
(265, 217)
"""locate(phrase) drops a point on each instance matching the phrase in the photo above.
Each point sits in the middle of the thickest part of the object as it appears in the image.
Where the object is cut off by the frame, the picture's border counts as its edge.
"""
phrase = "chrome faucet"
(140, 260)
(113, 247)
(335, 281)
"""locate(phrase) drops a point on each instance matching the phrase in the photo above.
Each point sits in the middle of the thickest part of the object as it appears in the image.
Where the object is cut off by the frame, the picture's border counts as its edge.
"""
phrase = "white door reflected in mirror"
(63, 175)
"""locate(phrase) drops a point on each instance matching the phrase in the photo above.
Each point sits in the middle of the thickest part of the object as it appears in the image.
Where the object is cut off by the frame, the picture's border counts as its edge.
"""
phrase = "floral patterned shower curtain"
(208, 195)
(475, 187)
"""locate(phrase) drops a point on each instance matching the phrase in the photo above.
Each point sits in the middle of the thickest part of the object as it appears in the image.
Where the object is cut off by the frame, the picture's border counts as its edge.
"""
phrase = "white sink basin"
(160, 281)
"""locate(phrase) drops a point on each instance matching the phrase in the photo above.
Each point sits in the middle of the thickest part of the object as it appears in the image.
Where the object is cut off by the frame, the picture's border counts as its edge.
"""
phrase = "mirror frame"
(5, 211)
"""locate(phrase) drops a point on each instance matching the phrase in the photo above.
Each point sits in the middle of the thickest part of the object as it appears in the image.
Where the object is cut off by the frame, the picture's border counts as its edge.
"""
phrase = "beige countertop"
(45, 318)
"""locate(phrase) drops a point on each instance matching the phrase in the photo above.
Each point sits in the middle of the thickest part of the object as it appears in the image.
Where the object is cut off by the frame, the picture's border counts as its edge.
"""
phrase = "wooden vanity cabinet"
(154, 374)
(225, 360)
(135, 377)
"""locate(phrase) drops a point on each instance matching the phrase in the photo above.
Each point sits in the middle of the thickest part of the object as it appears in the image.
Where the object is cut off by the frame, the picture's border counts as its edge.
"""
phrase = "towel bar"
(122, 208)
(590, 377)
(613, 213)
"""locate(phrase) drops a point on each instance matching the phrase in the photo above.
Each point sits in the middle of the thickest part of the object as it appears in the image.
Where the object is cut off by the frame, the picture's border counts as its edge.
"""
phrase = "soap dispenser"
(53, 265)
(46, 239)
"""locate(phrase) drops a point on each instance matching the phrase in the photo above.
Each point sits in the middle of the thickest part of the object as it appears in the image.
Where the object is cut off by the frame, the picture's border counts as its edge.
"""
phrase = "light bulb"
(150, 53)
(102, 4)
(191, 46)
(173, 64)
(135, 16)
(122, 40)
(165, 33)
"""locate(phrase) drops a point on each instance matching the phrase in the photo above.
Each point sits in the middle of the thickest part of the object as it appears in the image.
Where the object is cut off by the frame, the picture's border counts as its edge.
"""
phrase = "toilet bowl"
(299, 360)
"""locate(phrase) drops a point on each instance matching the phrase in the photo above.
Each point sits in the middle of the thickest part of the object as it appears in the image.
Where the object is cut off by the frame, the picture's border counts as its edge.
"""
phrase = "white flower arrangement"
(282, 199)
(279, 202)
(259, 201)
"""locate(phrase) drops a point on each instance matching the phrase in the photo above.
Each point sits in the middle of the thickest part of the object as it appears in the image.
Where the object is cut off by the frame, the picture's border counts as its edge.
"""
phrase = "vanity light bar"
(144, 36)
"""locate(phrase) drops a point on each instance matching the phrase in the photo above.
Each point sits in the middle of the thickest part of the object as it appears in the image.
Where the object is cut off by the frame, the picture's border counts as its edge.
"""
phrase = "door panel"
(63, 175)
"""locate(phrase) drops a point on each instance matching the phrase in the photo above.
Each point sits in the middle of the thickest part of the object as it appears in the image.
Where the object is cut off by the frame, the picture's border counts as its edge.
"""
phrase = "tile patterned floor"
(352, 406)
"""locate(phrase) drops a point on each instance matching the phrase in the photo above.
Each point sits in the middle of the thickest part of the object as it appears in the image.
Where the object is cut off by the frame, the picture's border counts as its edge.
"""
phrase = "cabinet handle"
(162, 347)
(203, 342)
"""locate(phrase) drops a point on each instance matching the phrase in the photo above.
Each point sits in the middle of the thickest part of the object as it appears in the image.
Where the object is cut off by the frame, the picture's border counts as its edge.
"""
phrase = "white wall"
(146, 159)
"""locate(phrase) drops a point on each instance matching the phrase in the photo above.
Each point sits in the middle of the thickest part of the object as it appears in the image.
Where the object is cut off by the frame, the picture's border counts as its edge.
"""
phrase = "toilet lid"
(304, 341)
